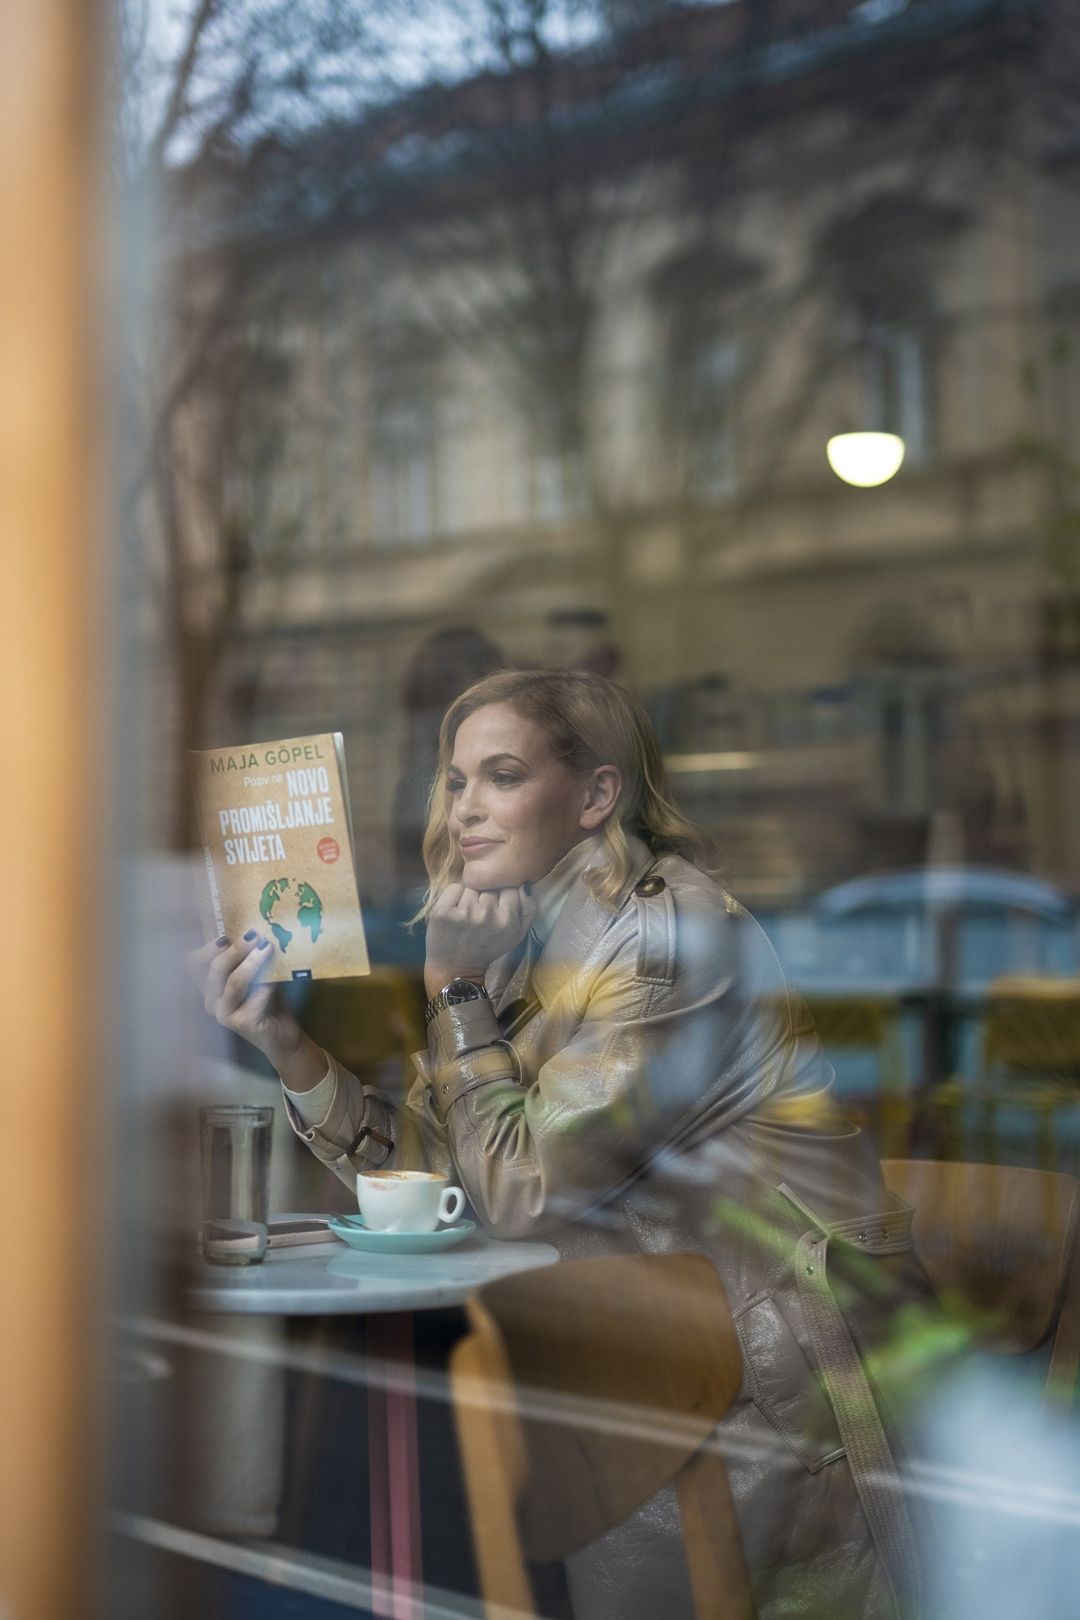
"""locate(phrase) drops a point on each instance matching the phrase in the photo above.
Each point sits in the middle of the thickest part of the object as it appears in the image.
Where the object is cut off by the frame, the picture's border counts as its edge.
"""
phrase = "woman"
(613, 1062)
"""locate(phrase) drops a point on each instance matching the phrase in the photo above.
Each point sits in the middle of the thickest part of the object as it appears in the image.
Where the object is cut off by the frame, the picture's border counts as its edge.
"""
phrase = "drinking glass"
(235, 1142)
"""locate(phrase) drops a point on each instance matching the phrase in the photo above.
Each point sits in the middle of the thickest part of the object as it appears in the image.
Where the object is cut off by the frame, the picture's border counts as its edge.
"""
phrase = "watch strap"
(365, 1134)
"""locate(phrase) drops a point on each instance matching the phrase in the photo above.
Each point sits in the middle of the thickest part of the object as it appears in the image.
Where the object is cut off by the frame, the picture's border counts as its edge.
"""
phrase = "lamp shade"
(865, 459)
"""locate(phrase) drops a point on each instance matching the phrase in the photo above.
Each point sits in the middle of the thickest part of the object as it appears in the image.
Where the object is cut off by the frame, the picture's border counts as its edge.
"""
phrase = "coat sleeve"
(658, 1040)
(342, 1140)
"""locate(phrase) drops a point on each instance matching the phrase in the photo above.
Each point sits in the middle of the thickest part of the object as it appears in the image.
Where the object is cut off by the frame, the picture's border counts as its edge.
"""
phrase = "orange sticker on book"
(328, 850)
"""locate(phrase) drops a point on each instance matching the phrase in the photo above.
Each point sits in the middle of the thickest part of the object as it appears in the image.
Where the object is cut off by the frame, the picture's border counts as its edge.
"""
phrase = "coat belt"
(870, 1458)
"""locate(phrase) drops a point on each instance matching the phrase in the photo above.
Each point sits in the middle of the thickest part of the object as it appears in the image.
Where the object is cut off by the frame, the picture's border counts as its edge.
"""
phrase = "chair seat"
(582, 1391)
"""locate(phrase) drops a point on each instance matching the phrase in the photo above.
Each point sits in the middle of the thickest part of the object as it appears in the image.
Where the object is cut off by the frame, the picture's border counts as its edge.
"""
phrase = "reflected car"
(954, 926)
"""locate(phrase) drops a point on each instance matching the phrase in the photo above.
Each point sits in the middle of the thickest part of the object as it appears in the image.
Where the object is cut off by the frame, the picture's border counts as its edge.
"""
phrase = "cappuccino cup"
(407, 1200)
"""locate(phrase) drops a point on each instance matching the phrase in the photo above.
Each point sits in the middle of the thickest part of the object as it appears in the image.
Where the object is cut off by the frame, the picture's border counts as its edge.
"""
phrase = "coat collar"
(553, 891)
(579, 922)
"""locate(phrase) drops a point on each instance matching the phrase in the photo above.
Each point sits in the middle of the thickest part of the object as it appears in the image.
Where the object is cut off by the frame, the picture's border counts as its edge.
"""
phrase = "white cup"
(407, 1200)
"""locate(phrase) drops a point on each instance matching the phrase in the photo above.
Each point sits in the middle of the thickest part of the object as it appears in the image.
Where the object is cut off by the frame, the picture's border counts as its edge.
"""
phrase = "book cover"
(277, 844)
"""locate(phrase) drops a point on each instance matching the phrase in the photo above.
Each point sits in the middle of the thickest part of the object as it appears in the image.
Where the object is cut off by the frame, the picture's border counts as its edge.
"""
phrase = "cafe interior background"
(432, 338)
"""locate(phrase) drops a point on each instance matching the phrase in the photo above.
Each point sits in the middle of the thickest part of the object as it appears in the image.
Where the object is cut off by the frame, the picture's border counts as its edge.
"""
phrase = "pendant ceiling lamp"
(865, 459)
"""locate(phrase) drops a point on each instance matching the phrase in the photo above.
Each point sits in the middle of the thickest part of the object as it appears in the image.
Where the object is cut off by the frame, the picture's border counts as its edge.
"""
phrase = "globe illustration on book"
(288, 904)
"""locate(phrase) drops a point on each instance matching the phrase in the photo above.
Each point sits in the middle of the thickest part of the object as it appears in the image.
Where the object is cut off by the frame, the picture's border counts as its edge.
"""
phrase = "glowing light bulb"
(865, 459)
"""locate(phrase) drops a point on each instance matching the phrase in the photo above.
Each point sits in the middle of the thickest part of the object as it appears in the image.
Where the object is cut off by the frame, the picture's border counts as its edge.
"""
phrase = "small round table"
(328, 1279)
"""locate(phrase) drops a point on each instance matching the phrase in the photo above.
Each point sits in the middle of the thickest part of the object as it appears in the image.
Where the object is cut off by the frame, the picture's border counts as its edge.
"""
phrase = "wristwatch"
(453, 995)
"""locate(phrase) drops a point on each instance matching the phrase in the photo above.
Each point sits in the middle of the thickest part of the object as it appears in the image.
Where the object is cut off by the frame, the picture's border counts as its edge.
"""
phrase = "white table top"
(328, 1279)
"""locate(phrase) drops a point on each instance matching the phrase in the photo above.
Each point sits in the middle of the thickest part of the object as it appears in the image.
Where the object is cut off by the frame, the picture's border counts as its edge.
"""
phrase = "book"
(276, 830)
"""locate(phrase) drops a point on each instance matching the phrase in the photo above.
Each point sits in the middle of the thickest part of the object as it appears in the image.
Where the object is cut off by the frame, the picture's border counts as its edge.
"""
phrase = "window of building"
(557, 474)
(703, 295)
(884, 259)
(896, 381)
(403, 466)
(710, 387)
(456, 424)
(268, 494)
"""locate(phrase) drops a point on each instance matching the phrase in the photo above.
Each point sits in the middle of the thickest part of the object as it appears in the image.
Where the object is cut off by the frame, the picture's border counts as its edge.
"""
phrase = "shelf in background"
(825, 762)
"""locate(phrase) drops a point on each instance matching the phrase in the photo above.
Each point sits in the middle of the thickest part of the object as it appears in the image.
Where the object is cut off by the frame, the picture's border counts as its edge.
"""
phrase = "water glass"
(235, 1143)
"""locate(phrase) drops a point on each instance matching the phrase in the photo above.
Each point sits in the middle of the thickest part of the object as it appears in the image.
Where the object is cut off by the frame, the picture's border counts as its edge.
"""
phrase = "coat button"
(650, 886)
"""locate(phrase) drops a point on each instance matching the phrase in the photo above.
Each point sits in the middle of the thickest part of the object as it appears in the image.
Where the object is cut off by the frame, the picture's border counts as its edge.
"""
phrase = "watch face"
(459, 990)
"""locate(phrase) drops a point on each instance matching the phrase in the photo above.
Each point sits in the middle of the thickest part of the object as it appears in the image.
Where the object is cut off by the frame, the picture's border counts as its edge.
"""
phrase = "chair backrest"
(853, 1022)
(1003, 1243)
(869, 1024)
(580, 1391)
(1033, 1024)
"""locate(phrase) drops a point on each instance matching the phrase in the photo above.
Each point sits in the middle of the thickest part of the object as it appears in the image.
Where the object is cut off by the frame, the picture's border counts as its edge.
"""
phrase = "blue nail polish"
(250, 934)
(222, 942)
(263, 943)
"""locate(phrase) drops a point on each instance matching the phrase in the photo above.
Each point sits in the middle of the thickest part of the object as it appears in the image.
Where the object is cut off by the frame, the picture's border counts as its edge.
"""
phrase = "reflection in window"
(456, 429)
(557, 490)
(709, 431)
(884, 259)
(896, 381)
(403, 467)
(268, 447)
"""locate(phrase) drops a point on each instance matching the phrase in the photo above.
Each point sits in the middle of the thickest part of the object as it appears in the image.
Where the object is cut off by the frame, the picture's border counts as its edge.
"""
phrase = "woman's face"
(514, 810)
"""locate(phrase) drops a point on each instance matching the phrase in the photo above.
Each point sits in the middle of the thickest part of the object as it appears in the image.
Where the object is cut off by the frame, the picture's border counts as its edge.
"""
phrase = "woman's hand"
(468, 929)
(229, 978)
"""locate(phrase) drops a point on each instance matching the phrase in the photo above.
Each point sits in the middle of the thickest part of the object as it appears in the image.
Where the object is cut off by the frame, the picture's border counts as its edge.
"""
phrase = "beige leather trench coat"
(648, 1084)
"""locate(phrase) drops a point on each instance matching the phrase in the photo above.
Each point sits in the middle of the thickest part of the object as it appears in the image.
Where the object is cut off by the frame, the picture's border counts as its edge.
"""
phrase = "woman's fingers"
(242, 979)
(515, 910)
(257, 1001)
(469, 908)
(485, 908)
(222, 963)
(469, 928)
(504, 909)
(508, 908)
(197, 964)
(449, 900)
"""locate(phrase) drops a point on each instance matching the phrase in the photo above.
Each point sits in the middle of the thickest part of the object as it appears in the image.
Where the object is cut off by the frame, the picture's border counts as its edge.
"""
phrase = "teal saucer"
(351, 1230)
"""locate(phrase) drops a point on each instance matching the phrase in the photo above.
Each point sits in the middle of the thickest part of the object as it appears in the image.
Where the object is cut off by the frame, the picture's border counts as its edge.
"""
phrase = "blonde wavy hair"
(588, 721)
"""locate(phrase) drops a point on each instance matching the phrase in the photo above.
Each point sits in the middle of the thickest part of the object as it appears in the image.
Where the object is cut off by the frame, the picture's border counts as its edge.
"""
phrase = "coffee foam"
(401, 1175)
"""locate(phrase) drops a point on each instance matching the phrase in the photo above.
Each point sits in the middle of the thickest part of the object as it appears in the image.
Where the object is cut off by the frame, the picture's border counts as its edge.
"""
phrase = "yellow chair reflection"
(1030, 1062)
(869, 1024)
(371, 1025)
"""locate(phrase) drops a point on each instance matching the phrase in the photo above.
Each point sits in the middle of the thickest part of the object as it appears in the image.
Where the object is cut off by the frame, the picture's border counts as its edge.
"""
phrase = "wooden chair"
(1002, 1244)
(580, 1391)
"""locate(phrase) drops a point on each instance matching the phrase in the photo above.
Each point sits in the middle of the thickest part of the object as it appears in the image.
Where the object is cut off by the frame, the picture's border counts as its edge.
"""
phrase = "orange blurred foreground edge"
(52, 940)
